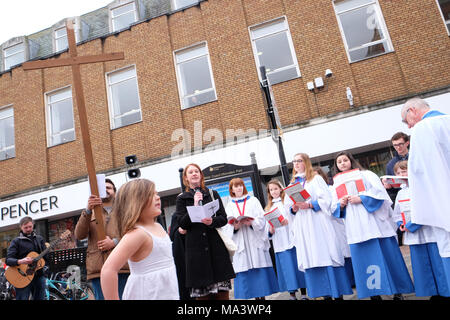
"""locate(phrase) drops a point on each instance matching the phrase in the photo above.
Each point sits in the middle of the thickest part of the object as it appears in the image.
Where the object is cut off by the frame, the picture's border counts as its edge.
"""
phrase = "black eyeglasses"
(399, 144)
(406, 114)
(297, 161)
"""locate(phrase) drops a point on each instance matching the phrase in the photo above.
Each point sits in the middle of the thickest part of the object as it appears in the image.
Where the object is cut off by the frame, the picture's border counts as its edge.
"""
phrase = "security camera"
(328, 73)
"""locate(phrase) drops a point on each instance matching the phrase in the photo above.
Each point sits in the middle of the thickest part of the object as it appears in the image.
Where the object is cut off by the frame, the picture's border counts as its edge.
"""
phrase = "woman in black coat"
(208, 265)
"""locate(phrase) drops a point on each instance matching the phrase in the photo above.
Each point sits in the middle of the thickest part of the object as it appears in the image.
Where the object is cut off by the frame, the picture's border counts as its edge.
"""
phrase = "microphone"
(198, 189)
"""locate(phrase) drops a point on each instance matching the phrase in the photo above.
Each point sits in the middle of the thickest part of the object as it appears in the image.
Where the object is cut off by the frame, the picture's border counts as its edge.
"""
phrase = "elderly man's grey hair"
(417, 103)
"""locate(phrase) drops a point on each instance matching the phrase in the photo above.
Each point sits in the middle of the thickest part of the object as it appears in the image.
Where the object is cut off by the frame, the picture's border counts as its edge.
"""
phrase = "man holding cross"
(98, 249)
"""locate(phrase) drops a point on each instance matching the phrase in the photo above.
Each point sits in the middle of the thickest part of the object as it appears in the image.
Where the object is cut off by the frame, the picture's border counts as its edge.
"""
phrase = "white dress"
(154, 277)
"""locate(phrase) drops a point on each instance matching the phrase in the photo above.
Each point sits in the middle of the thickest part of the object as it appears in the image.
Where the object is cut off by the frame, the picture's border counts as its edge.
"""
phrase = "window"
(444, 5)
(7, 144)
(273, 48)
(177, 4)
(61, 40)
(194, 75)
(14, 55)
(123, 16)
(123, 97)
(363, 29)
(59, 113)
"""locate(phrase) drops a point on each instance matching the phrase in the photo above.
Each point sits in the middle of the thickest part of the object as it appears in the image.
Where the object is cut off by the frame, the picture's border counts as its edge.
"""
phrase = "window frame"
(55, 38)
(286, 30)
(112, 116)
(380, 19)
(48, 116)
(112, 17)
(446, 22)
(22, 43)
(175, 7)
(178, 74)
(2, 108)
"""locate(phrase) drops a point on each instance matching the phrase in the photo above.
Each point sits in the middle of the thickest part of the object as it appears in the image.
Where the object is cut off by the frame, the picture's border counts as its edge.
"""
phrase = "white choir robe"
(371, 234)
(313, 233)
(429, 172)
(252, 251)
(290, 278)
(427, 265)
(360, 225)
(318, 252)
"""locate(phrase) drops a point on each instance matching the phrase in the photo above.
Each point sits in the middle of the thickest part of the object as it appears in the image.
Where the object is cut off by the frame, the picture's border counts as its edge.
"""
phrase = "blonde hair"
(401, 165)
(237, 182)
(130, 201)
(309, 171)
(269, 196)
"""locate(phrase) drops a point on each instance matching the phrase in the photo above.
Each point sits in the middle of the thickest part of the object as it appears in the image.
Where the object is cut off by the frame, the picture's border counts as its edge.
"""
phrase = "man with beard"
(99, 250)
(20, 247)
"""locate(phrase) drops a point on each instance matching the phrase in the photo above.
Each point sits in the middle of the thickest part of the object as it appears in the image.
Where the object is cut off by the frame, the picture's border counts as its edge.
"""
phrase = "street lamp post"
(273, 123)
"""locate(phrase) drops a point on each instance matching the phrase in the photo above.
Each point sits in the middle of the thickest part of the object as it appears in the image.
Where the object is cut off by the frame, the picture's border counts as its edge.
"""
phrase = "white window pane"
(349, 4)
(369, 51)
(361, 26)
(283, 75)
(122, 9)
(123, 21)
(268, 28)
(62, 137)
(274, 52)
(14, 49)
(60, 95)
(183, 3)
(195, 76)
(7, 132)
(191, 53)
(7, 148)
(125, 97)
(198, 99)
(127, 119)
(14, 55)
(122, 75)
(61, 44)
(60, 32)
(5, 113)
(61, 116)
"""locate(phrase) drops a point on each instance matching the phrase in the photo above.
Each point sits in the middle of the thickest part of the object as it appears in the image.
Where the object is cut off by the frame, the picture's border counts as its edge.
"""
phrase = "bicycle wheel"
(87, 292)
(55, 295)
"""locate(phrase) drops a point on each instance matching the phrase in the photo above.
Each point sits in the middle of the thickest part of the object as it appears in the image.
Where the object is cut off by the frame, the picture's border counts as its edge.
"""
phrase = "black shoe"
(398, 296)
(376, 298)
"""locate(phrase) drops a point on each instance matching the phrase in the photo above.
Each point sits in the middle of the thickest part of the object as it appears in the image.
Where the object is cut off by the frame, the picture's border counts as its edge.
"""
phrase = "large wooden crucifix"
(75, 61)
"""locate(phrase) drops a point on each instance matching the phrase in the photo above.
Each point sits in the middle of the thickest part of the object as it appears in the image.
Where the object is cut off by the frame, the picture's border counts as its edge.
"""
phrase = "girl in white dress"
(144, 244)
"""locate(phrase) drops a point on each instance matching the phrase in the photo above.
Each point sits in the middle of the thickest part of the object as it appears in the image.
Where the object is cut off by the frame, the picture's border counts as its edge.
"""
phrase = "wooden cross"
(75, 61)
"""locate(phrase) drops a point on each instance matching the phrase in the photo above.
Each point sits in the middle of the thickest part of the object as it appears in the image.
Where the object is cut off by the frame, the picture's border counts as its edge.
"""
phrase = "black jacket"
(21, 246)
(207, 258)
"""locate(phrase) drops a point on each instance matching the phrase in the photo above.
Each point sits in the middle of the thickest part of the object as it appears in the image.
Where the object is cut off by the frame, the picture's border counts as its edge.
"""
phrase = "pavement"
(411, 296)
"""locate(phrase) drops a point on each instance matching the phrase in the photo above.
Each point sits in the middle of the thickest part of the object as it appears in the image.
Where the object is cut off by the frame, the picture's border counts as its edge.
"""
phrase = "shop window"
(56, 228)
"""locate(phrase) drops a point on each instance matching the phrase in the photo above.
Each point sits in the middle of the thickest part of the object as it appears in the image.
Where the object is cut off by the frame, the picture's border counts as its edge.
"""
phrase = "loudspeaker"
(131, 160)
(134, 173)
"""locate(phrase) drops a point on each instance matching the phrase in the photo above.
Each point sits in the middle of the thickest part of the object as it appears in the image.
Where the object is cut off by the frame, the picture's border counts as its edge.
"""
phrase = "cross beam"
(75, 61)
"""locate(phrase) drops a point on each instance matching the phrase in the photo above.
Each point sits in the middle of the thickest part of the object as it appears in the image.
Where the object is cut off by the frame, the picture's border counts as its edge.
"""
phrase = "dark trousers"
(36, 288)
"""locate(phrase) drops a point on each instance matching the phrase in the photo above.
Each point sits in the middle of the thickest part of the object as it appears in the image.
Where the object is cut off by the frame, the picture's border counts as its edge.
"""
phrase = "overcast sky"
(25, 17)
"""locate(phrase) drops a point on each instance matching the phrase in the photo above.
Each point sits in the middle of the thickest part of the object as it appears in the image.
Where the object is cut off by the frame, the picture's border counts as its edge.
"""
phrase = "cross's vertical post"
(84, 126)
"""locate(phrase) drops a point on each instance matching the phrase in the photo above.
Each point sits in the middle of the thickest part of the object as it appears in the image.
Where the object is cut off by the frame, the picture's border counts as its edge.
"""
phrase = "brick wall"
(418, 63)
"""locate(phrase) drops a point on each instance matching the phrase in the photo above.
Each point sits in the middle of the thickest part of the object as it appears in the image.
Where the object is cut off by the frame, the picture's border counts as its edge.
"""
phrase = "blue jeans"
(98, 288)
(36, 288)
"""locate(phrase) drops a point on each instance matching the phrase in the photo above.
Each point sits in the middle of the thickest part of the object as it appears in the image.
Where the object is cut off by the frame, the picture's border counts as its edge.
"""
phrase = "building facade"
(188, 91)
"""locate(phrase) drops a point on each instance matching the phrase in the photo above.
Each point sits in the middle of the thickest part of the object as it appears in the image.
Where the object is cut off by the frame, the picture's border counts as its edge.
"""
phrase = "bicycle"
(60, 288)
(7, 291)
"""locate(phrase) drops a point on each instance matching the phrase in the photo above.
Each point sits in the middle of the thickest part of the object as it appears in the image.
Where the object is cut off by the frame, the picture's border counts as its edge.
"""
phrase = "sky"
(25, 17)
